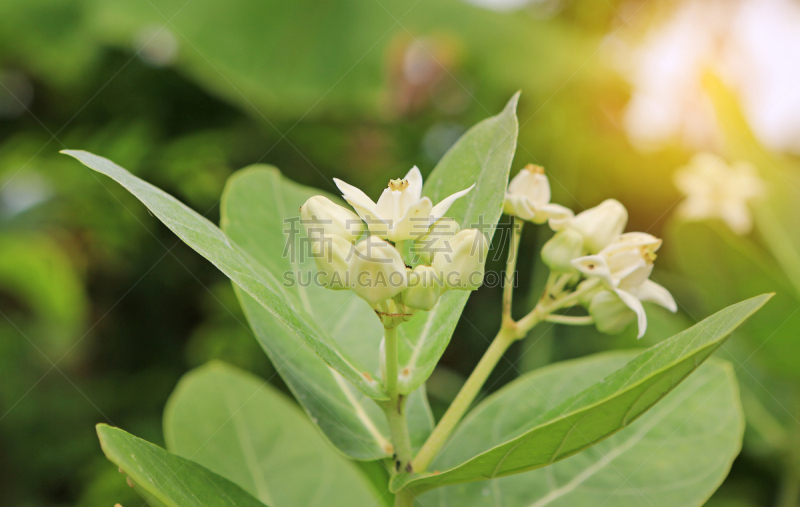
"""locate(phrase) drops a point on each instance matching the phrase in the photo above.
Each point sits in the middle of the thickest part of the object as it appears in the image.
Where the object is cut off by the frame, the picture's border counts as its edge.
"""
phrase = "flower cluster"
(608, 269)
(365, 251)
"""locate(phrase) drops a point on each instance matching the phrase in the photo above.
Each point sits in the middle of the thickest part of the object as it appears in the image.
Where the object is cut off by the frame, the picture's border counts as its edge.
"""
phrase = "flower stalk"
(394, 408)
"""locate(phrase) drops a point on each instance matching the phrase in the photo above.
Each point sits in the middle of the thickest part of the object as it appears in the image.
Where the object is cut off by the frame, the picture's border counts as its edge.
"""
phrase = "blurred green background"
(103, 309)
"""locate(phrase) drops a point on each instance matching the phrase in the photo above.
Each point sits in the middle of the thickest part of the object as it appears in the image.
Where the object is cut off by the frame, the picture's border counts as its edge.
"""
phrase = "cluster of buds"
(365, 251)
(610, 269)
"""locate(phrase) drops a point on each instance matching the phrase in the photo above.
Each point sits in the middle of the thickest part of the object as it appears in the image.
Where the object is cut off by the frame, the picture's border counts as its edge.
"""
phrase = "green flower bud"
(437, 240)
(424, 288)
(463, 269)
(321, 216)
(559, 251)
(376, 271)
(610, 314)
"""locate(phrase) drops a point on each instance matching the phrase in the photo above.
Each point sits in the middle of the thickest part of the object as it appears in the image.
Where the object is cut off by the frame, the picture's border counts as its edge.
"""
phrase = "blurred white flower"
(624, 267)
(750, 44)
(528, 197)
(400, 213)
(714, 189)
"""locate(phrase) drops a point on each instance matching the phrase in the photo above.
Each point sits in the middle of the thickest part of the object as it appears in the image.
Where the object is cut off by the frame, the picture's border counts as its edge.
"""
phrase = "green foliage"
(238, 426)
(596, 413)
(166, 480)
(675, 454)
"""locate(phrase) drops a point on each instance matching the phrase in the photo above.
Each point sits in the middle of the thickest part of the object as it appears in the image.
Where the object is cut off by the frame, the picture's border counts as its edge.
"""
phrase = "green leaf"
(263, 283)
(676, 454)
(164, 479)
(596, 413)
(240, 427)
(351, 420)
(483, 155)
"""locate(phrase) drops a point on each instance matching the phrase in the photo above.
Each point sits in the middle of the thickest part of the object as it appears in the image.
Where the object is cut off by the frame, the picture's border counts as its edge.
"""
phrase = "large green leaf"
(675, 454)
(164, 479)
(258, 209)
(596, 413)
(483, 155)
(263, 282)
(240, 427)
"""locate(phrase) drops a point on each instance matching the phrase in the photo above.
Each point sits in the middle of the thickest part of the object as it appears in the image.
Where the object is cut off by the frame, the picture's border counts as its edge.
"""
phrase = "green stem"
(395, 407)
(403, 498)
(511, 266)
(463, 400)
(568, 319)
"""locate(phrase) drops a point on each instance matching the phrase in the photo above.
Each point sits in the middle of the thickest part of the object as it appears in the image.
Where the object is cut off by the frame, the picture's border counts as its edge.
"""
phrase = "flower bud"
(424, 288)
(437, 240)
(331, 254)
(559, 251)
(601, 225)
(321, 216)
(528, 190)
(463, 268)
(611, 315)
(377, 271)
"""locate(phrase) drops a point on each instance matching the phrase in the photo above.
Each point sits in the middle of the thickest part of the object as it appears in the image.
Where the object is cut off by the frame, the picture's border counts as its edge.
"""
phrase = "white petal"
(558, 216)
(594, 266)
(634, 304)
(356, 198)
(440, 209)
(652, 292)
(415, 223)
(414, 178)
(520, 206)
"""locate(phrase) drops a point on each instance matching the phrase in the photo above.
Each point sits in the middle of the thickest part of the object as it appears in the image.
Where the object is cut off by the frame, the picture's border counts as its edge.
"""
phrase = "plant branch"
(463, 400)
(568, 319)
(395, 407)
(511, 266)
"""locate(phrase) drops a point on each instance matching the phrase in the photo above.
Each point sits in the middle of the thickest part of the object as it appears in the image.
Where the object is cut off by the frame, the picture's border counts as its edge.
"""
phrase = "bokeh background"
(103, 309)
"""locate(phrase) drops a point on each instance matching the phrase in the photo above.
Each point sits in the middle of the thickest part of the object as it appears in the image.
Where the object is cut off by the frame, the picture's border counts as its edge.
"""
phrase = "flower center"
(536, 169)
(398, 184)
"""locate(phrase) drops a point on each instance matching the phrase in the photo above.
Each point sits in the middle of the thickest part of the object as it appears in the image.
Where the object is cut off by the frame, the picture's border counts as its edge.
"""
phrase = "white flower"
(715, 189)
(321, 215)
(600, 225)
(400, 213)
(376, 271)
(462, 266)
(624, 266)
(528, 197)
(332, 255)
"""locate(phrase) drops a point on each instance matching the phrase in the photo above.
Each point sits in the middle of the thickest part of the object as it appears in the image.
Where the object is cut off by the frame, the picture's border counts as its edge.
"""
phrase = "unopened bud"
(331, 254)
(377, 271)
(322, 214)
(463, 268)
(424, 288)
(437, 240)
(601, 225)
(558, 252)
(611, 315)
